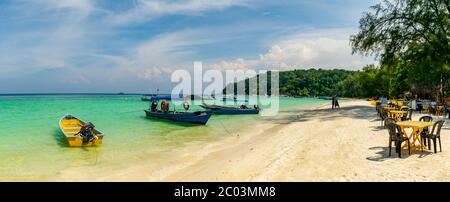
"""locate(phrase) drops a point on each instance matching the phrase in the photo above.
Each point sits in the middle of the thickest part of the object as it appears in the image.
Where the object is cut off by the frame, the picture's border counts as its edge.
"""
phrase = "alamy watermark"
(250, 87)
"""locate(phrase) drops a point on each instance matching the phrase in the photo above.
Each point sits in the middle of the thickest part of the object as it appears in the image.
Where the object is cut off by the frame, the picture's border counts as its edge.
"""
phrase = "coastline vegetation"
(411, 41)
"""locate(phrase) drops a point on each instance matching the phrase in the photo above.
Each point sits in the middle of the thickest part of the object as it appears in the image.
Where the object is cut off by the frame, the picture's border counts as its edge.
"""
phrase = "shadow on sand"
(382, 154)
(356, 112)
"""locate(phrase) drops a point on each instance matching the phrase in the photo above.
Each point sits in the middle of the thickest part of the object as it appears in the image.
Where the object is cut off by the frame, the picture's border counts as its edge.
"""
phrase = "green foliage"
(311, 82)
(372, 81)
(411, 39)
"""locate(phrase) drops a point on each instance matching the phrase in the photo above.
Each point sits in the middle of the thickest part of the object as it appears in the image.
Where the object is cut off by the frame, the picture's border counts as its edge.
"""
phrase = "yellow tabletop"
(415, 124)
(397, 114)
(417, 127)
(389, 108)
(398, 111)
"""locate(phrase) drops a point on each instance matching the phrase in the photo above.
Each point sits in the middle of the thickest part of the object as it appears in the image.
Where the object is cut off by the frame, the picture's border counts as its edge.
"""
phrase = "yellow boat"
(71, 127)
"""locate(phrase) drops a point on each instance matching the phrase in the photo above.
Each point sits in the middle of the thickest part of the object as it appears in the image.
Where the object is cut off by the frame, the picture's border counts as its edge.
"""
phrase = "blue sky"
(133, 45)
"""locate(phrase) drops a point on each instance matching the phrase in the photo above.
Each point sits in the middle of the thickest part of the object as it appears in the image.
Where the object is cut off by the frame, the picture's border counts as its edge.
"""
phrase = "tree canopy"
(411, 40)
(311, 82)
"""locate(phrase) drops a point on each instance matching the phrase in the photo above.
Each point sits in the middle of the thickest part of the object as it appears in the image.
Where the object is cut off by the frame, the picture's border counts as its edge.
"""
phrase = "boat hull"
(229, 110)
(70, 126)
(187, 117)
(235, 111)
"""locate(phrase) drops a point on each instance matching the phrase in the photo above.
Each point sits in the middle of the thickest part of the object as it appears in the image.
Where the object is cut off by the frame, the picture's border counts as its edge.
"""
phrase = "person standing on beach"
(336, 103)
(333, 101)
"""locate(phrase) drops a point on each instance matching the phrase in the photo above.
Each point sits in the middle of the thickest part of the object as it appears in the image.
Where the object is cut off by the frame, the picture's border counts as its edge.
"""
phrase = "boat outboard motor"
(87, 133)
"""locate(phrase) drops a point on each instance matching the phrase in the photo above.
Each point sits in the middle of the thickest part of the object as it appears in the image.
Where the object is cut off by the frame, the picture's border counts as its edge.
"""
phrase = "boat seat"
(72, 127)
(71, 133)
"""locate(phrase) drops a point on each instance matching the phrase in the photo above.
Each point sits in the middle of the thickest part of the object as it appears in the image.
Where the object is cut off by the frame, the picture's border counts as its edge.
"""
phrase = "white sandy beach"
(315, 145)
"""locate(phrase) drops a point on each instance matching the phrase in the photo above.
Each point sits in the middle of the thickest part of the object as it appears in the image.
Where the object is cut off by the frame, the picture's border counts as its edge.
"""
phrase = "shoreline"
(322, 145)
(191, 158)
(313, 144)
(152, 169)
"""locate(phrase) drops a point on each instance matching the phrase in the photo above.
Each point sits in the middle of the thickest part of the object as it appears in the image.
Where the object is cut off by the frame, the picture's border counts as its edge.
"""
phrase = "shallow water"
(33, 148)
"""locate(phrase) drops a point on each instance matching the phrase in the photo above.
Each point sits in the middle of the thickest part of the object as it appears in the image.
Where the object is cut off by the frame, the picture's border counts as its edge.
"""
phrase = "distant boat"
(188, 117)
(146, 98)
(229, 110)
(229, 98)
(156, 97)
(71, 127)
(195, 97)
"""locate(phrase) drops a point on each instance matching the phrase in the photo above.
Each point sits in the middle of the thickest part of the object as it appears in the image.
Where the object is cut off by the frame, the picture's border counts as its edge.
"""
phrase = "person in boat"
(154, 105)
(256, 107)
(164, 106)
(87, 133)
(244, 107)
(186, 105)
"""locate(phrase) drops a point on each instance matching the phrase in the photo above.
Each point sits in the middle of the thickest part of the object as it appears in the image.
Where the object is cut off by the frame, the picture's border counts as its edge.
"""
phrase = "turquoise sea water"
(33, 148)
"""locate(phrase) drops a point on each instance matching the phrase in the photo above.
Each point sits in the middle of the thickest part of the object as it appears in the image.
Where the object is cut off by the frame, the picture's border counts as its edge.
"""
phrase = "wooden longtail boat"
(71, 127)
(229, 110)
(188, 117)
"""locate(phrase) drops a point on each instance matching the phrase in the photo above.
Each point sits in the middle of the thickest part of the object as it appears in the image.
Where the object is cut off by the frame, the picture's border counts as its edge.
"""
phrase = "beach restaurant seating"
(407, 116)
(396, 135)
(392, 105)
(377, 108)
(383, 115)
(404, 108)
(439, 110)
(426, 108)
(435, 135)
(425, 131)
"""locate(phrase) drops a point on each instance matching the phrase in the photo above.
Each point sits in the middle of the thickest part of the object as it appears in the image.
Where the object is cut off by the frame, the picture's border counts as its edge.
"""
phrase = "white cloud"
(69, 35)
(55, 31)
(169, 47)
(162, 54)
(325, 49)
(148, 9)
(85, 5)
(68, 31)
(238, 64)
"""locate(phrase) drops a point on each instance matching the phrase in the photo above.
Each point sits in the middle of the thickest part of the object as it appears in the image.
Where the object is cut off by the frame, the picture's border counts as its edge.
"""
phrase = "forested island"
(371, 81)
(411, 41)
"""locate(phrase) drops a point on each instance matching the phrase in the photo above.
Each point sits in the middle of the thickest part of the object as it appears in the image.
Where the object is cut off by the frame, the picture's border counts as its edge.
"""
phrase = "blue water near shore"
(33, 148)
